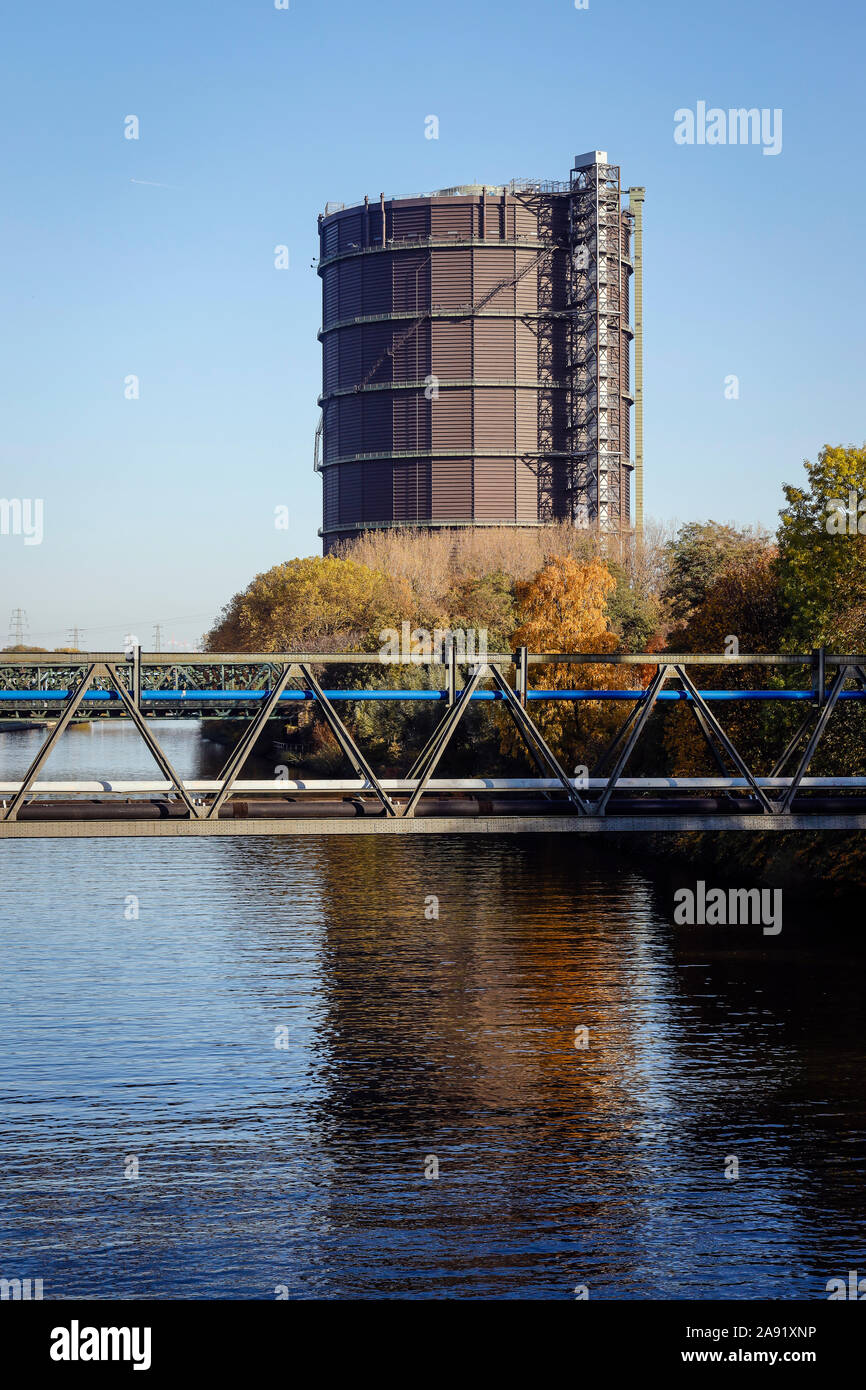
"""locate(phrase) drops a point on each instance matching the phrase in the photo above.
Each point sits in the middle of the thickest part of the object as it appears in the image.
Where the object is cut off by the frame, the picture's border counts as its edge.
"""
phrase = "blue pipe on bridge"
(168, 697)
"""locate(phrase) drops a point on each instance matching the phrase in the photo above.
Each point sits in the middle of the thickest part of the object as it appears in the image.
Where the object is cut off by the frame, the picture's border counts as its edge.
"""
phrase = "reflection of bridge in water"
(254, 688)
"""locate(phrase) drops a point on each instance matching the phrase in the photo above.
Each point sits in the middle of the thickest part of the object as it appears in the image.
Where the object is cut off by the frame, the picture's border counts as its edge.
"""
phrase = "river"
(252, 1068)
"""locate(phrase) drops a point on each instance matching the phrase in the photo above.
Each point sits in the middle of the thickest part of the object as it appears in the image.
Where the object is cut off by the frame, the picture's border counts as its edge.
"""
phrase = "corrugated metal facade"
(443, 361)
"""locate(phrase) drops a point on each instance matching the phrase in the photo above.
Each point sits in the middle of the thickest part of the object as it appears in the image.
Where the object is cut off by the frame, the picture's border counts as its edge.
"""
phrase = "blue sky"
(155, 257)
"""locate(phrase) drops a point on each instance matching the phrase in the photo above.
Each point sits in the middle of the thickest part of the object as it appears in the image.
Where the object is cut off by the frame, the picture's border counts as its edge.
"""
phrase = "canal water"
(250, 1068)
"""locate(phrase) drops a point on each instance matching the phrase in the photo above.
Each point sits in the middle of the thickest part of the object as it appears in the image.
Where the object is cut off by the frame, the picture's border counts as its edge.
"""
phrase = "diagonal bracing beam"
(713, 747)
(420, 763)
(536, 742)
(617, 739)
(816, 736)
(159, 756)
(70, 705)
(346, 742)
(442, 738)
(806, 723)
(423, 757)
(779, 767)
(716, 729)
(244, 746)
(646, 707)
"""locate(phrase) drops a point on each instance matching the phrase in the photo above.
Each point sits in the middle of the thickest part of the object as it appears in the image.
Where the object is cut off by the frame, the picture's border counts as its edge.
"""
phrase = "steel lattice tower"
(598, 401)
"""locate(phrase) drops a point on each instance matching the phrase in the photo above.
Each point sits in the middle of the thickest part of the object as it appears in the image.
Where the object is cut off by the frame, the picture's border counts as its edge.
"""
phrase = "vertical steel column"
(136, 675)
(451, 672)
(521, 662)
(819, 675)
(636, 200)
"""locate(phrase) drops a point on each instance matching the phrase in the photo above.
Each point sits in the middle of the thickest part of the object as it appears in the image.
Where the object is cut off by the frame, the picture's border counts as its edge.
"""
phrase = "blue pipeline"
(174, 697)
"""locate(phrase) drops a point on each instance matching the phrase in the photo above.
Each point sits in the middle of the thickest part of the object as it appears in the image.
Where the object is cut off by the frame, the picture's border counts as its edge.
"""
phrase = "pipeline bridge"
(52, 690)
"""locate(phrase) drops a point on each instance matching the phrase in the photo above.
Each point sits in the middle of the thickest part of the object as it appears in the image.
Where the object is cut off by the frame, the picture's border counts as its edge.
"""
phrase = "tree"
(822, 550)
(564, 609)
(633, 610)
(742, 603)
(484, 602)
(696, 556)
(315, 605)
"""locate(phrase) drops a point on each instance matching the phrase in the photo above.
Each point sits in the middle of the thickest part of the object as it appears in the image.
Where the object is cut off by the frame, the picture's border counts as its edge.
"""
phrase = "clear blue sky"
(155, 257)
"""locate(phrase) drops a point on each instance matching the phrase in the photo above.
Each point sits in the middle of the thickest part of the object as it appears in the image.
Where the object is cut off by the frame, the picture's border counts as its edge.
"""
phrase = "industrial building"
(476, 346)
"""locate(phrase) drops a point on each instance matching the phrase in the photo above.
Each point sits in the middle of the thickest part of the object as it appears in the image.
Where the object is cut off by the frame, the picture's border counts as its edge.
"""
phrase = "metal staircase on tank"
(595, 487)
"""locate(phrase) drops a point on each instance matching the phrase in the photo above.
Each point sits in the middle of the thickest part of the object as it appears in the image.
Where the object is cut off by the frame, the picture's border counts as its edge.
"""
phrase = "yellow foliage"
(564, 609)
(314, 605)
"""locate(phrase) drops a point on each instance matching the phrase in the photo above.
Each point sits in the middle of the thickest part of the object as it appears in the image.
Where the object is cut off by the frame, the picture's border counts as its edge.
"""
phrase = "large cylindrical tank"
(445, 355)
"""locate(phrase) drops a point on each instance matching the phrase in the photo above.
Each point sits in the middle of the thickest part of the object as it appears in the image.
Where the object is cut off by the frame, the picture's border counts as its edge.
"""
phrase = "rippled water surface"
(404, 1039)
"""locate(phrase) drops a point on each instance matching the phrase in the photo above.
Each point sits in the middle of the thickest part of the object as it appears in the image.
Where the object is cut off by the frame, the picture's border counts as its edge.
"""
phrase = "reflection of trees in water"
(456, 1037)
(497, 976)
(768, 1055)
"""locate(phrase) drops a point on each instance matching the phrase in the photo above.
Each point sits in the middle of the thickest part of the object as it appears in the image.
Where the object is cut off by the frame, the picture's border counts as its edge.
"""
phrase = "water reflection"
(109, 748)
(410, 1036)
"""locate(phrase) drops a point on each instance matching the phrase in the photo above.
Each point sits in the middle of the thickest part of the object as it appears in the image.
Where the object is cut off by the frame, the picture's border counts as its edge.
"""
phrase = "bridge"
(55, 689)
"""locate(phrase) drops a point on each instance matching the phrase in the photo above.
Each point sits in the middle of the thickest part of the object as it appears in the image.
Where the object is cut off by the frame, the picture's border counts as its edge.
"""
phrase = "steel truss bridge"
(57, 689)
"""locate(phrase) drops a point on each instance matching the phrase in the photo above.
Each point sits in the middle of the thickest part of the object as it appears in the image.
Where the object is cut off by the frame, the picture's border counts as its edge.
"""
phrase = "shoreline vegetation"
(696, 587)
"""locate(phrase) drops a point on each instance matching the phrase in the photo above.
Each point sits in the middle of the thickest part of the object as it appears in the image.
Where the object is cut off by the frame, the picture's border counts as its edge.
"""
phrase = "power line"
(17, 627)
(118, 626)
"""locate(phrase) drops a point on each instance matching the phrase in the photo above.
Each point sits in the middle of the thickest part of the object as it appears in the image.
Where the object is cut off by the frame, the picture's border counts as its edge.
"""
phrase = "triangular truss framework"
(811, 729)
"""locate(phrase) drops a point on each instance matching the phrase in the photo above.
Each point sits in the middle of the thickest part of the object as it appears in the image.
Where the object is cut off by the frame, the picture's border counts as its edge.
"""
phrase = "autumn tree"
(822, 550)
(314, 605)
(564, 609)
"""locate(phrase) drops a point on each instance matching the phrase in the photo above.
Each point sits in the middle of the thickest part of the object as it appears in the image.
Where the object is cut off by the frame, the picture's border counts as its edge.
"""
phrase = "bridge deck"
(458, 806)
(447, 824)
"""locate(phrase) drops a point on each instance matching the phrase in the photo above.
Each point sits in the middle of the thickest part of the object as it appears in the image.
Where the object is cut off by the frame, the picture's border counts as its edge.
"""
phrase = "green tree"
(696, 557)
(484, 601)
(633, 612)
(822, 567)
(742, 602)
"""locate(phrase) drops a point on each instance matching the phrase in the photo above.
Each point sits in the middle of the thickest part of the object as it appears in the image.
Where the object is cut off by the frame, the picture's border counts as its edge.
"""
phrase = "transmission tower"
(17, 627)
(157, 637)
(76, 637)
